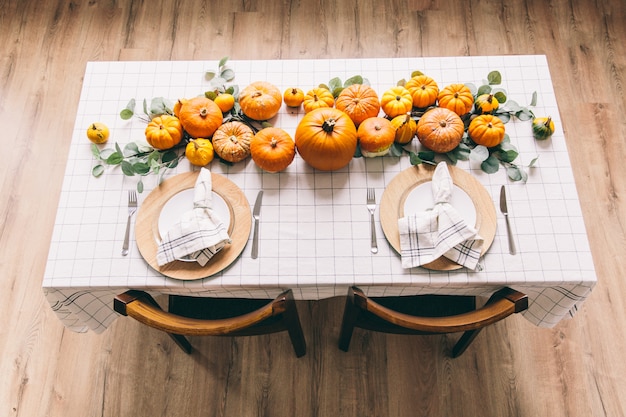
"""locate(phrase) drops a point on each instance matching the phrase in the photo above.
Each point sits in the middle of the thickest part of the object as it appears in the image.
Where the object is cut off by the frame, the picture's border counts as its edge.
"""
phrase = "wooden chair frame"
(279, 314)
(367, 313)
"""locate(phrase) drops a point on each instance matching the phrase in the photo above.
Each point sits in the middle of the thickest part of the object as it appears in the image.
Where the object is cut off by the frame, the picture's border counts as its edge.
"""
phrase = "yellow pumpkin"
(200, 117)
(260, 100)
(293, 97)
(326, 138)
(359, 102)
(424, 91)
(376, 135)
(231, 141)
(440, 130)
(486, 130)
(317, 98)
(98, 133)
(396, 101)
(225, 102)
(272, 149)
(456, 97)
(486, 103)
(164, 132)
(405, 127)
(199, 152)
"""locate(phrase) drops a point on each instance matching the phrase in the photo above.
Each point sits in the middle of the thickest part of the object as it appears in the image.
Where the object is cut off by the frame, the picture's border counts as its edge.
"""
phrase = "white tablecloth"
(314, 235)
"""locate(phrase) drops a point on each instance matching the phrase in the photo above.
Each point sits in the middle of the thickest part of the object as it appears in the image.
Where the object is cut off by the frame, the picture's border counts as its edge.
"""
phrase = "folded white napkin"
(440, 231)
(199, 234)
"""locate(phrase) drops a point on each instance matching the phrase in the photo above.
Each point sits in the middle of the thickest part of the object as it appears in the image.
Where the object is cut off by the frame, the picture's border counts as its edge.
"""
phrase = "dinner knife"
(505, 211)
(256, 216)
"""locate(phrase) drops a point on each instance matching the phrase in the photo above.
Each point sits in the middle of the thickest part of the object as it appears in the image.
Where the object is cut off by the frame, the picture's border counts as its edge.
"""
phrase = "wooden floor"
(514, 368)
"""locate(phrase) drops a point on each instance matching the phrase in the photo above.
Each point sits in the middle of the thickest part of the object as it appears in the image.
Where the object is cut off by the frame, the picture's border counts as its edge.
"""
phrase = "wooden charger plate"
(395, 195)
(147, 226)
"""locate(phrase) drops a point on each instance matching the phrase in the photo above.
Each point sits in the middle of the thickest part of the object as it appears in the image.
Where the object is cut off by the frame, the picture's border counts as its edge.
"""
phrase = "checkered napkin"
(199, 234)
(427, 235)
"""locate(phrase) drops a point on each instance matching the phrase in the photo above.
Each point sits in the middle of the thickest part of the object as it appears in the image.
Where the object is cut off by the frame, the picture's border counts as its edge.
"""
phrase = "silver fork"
(371, 206)
(132, 208)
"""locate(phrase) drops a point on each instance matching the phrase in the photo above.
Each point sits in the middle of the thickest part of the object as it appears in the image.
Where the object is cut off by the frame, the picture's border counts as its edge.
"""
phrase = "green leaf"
(416, 73)
(168, 156)
(494, 78)
(211, 95)
(129, 110)
(115, 158)
(533, 100)
(95, 151)
(516, 174)
(414, 158)
(396, 150)
(228, 74)
(427, 155)
(160, 106)
(140, 187)
(97, 170)
(533, 162)
(401, 83)
(337, 91)
(472, 88)
(145, 107)
(500, 96)
(483, 89)
(322, 85)
(222, 62)
(479, 153)
(209, 75)
(513, 106)
(524, 115)
(490, 165)
(357, 79)
(141, 168)
(460, 153)
(334, 84)
(505, 117)
(106, 153)
(173, 164)
(127, 168)
(131, 149)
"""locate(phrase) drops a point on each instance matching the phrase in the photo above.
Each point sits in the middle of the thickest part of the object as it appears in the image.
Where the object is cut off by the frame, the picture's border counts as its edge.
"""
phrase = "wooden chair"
(203, 316)
(427, 314)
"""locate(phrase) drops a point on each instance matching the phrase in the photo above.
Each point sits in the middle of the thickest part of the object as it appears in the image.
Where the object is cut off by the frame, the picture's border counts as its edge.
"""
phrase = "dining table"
(314, 226)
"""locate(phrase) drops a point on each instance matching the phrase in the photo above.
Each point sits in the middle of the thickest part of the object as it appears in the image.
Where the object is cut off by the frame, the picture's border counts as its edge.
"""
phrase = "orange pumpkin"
(405, 128)
(164, 132)
(440, 130)
(200, 117)
(272, 149)
(178, 105)
(424, 91)
(317, 98)
(326, 138)
(293, 97)
(396, 101)
(456, 97)
(359, 102)
(376, 135)
(486, 103)
(231, 141)
(486, 130)
(260, 100)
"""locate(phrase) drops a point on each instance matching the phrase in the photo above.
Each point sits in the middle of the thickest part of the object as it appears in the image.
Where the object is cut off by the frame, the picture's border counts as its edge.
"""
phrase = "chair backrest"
(281, 312)
(369, 313)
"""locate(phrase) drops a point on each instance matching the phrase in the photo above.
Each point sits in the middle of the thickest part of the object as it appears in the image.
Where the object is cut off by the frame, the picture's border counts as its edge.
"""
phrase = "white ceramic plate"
(182, 202)
(421, 199)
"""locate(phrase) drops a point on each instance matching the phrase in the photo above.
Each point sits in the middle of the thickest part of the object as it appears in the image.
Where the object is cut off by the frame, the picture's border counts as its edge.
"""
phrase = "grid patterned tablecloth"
(314, 235)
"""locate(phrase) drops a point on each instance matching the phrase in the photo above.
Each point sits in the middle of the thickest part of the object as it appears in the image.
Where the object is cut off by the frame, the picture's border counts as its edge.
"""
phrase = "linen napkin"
(199, 234)
(440, 231)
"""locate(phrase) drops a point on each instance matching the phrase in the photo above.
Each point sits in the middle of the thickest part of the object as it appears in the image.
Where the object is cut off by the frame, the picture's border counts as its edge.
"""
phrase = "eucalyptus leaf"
(524, 115)
(97, 170)
(427, 155)
(335, 83)
(533, 162)
(494, 78)
(416, 73)
(322, 85)
(500, 96)
(106, 153)
(357, 79)
(414, 158)
(114, 159)
(512, 105)
(209, 75)
(222, 62)
(337, 91)
(490, 165)
(505, 117)
(516, 174)
(228, 74)
(533, 100)
(141, 168)
(211, 95)
(173, 164)
(127, 168)
(401, 83)
(218, 81)
(140, 187)
(479, 153)
(95, 151)
(126, 114)
(484, 89)
(145, 108)
(131, 149)
(168, 156)
(396, 150)
(472, 88)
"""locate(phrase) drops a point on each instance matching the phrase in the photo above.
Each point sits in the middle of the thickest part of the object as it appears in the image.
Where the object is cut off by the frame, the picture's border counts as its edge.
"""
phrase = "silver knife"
(504, 209)
(256, 216)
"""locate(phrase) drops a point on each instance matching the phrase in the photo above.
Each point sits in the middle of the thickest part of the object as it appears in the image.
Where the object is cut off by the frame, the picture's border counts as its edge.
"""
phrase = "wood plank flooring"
(513, 369)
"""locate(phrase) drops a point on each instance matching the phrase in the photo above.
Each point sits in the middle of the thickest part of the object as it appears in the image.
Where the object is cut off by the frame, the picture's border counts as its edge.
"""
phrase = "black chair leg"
(182, 342)
(350, 316)
(463, 343)
(294, 327)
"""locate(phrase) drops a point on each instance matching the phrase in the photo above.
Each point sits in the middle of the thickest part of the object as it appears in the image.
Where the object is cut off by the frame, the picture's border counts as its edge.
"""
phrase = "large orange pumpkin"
(456, 97)
(424, 91)
(326, 138)
(260, 100)
(164, 132)
(486, 130)
(359, 102)
(272, 149)
(316, 98)
(376, 135)
(231, 141)
(440, 130)
(200, 117)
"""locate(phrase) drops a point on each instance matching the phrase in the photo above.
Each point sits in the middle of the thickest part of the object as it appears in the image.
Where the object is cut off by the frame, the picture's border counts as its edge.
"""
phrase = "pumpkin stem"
(273, 143)
(328, 125)
(294, 91)
(233, 139)
(204, 112)
(547, 123)
(490, 98)
(443, 123)
(93, 126)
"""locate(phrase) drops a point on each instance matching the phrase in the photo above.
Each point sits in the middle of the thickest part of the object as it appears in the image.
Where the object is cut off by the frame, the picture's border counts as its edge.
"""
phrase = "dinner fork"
(132, 208)
(371, 206)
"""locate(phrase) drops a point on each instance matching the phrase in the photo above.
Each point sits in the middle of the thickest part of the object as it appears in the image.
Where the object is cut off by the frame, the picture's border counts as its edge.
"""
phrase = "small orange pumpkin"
(486, 130)
(178, 105)
(260, 100)
(200, 117)
(316, 98)
(456, 97)
(424, 91)
(405, 128)
(326, 138)
(272, 149)
(164, 132)
(359, 102)
(293, 97)
(440, 130)
(231, 141)
(396, 101)
(376, 135)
